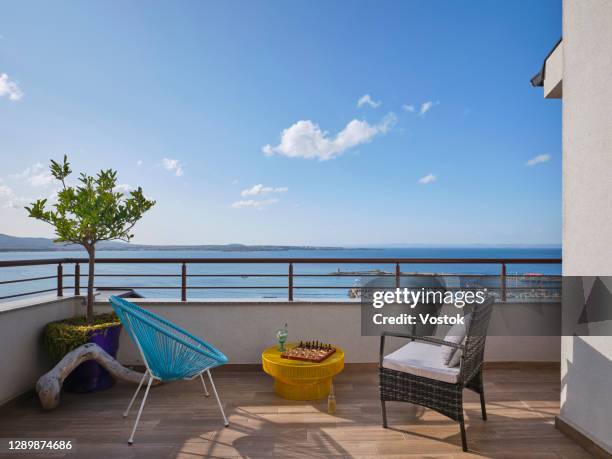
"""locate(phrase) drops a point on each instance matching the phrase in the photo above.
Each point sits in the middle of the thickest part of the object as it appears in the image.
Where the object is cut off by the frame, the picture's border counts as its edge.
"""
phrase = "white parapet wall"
(242, 329)
(22, 356)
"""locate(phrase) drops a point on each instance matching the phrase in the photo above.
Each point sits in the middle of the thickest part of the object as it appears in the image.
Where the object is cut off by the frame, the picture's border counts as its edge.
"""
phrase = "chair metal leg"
(204, 385)
(483, 408)
(127, 410)
(463, 436)
(212, 384)
(144, 399)
(384, 413)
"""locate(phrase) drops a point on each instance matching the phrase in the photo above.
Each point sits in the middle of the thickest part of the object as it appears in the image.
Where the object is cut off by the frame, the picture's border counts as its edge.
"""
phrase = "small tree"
(91, 212)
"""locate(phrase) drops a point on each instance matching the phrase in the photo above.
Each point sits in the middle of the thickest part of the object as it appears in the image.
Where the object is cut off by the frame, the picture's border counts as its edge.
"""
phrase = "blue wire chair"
(169, 352)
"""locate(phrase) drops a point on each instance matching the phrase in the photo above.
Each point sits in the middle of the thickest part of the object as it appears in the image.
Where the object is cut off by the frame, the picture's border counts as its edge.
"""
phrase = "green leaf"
(90, 211)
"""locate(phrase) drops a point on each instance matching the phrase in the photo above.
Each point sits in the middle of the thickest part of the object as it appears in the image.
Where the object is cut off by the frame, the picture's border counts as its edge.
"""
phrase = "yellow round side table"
(298, 380)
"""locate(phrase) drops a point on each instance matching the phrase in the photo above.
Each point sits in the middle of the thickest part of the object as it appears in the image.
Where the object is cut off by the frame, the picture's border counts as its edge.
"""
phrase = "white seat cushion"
(421, 359)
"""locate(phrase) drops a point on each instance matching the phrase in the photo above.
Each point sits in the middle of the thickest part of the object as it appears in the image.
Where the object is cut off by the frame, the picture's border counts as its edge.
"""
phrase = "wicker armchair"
(417, 376)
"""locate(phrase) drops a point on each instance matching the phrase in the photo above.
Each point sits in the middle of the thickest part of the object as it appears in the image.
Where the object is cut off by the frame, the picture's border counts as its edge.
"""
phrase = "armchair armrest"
(427, 339)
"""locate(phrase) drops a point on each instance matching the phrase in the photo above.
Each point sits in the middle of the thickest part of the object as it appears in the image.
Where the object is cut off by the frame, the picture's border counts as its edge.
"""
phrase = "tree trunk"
(91, 251)
(49, 386)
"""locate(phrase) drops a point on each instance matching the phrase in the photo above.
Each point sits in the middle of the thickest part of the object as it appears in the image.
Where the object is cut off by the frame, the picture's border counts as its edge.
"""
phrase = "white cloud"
(27, 172)
(427, 179)
(123, 188)
(305, 139)
(34, 175)
(427, 106)
(139, 163)
(173, 165)
(254, 204)
(408, 108)
(367, 100)
(5, 191)
(42, 179)
(13, 205)
(53, 196)
(12, 200)
(538, 160)
(257, 190)
(9, 88)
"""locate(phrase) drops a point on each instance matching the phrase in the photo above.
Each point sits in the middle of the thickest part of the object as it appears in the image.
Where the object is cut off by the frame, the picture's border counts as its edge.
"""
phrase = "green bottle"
(281, 335)
(331, 400)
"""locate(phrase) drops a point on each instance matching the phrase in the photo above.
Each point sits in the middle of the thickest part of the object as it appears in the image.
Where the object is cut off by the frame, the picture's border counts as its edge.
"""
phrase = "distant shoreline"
(179, 248)
(33, 244)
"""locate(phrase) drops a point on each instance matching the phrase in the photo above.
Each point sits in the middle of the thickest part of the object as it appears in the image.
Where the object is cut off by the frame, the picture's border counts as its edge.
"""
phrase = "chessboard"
(309, 351)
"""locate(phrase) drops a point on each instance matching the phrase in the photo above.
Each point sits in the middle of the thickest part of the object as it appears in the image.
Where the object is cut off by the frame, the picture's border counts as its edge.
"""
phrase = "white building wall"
(22, 356)
(586, 362)
(553, 82)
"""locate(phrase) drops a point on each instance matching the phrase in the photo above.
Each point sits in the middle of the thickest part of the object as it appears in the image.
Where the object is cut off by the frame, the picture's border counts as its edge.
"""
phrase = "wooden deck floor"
(178, 422)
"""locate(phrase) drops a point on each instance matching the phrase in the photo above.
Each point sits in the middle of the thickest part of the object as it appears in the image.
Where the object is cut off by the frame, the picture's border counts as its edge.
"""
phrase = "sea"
(268, 280)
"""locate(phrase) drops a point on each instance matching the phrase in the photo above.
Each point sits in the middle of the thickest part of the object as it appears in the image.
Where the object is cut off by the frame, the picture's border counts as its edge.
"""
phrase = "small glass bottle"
(331, 400)
(281, 335)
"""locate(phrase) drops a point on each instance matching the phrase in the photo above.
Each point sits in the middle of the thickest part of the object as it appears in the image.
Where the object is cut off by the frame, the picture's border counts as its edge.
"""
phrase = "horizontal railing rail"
(183, 274)
(340, 261)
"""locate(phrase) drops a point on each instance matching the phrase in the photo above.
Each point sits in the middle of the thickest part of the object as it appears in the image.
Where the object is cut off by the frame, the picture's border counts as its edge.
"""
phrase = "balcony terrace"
(521, 375)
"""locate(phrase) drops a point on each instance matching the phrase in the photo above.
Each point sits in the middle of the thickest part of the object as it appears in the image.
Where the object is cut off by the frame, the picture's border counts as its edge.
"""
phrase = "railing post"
(397, 275)
(77, 279)
(184, 282)
(290, 288)
(503, 281)
(60, 280)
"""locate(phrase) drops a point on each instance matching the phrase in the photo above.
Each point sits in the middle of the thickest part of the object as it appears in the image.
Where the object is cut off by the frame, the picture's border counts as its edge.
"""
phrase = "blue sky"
(199, 102)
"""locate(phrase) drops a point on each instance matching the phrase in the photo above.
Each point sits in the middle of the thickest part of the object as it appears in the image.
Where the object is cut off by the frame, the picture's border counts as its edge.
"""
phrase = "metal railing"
(289, 263)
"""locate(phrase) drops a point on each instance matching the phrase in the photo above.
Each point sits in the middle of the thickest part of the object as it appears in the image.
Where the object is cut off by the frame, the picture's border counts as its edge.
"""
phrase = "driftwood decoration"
(49, 385)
